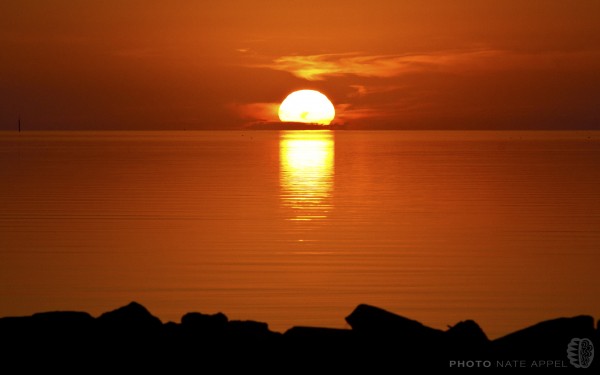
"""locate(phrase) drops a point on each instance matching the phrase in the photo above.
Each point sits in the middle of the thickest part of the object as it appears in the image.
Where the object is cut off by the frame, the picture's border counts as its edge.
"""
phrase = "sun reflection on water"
(306, 173)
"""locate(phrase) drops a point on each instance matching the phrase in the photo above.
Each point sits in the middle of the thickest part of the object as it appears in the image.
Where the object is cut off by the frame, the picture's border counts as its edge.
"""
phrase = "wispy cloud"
(323, 66)
(364, 90)
(319, 67)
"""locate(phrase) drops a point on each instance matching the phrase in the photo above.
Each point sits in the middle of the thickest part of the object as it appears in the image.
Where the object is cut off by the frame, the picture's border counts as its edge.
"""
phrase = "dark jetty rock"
(129, 333)
(45, 340)
(375, 322)
(210, 329)
(377, 340)
(250, 332)
(385, 337)
(544, 340)
(131, 318)
(205, 324)
(59, 329)
(201, 329)
(197, 332)
(319, 344)
(466, 340)
(253, 343)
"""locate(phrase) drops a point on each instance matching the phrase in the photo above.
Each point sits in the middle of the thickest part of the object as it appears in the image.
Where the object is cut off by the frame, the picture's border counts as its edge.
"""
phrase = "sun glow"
(307, 106)
(306, 174)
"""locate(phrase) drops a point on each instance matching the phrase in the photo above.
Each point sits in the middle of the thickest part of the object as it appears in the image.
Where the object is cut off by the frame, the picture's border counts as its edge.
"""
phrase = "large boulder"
(250, 330)
(393, 341)
(205, 324)
(545, 340)
(129, 331)
(374, 321)
(133, 317)
(466, 340)
(203, 331)
(57, 335)
(49, 321)
(467, 334)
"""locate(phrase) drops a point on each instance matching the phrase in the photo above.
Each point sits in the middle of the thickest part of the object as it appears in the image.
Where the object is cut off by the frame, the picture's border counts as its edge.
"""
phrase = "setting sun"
(307, 106)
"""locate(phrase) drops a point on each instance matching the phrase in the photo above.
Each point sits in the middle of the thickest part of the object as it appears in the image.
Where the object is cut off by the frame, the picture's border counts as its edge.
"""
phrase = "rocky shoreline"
(377, 339)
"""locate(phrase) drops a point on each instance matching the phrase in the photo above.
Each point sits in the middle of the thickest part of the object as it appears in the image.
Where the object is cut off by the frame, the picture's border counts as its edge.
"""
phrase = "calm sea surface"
(298, 227)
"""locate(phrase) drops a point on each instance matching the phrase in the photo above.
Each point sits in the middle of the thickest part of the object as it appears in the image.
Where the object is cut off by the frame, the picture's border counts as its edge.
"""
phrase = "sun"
(307, 106)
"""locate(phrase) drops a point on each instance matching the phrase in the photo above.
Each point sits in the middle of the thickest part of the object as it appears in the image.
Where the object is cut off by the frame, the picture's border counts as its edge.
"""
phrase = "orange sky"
(125, 64)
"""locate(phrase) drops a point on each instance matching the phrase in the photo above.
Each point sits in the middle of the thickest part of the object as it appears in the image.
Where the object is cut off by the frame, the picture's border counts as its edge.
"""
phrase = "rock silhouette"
(132, 336)
(203, 327)
(547, 339)
(133, 317)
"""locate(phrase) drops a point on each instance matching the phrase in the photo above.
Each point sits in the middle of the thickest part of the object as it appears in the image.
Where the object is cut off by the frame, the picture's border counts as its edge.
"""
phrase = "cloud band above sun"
(323, 66)
(319, 67)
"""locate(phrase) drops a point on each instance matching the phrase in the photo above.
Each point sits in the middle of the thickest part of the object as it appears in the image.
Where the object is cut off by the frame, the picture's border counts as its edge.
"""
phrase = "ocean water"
(299, 227)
